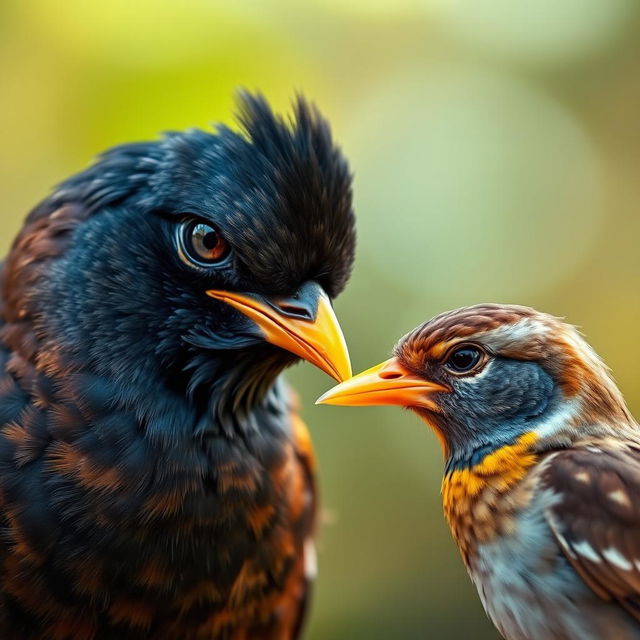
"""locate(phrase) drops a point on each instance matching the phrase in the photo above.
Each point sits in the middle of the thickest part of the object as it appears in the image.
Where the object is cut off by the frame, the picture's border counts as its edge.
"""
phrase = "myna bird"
(542, 476)
(155, 479)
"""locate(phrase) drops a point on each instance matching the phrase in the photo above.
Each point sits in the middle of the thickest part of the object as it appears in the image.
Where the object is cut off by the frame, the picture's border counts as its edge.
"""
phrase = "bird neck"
(589, 388)
(496, 465)
(602, 403)
(475, 490)
(232, 390)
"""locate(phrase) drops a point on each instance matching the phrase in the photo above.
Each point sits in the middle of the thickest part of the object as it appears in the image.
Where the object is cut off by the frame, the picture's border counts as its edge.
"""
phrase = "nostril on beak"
(292, 309)
(390, 375)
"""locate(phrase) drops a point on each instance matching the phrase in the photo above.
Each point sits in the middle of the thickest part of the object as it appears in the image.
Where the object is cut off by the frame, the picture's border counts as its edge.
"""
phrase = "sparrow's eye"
(464, 359)
(202, 244)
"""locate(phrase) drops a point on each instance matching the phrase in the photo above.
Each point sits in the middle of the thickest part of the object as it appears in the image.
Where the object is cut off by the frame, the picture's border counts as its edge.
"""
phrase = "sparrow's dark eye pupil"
(464, 359)
(203, 244)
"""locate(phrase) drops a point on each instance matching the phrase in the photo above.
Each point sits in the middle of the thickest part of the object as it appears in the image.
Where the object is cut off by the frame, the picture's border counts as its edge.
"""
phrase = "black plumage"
(155, 481)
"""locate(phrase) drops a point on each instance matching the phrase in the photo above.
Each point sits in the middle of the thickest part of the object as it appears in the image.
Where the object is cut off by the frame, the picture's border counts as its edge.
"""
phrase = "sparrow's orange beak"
(387, 383)
(305, 325)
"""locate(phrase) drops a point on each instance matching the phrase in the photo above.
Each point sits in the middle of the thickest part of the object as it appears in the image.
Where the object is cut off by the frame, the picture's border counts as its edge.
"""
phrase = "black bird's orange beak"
(305, 325)
(388, 383)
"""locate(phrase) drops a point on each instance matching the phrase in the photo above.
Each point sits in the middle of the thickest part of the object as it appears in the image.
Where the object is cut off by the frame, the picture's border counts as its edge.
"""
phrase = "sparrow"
(542, 466)
(156, 479)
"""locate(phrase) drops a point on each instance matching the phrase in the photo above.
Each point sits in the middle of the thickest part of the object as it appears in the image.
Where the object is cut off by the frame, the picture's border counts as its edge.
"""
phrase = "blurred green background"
(496, 149)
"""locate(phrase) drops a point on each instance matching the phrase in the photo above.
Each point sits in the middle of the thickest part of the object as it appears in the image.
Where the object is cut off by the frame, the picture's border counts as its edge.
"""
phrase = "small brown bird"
(541, 485)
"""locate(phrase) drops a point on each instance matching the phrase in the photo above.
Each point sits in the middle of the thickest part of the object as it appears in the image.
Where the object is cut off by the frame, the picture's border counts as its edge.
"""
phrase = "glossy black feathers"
(155, 481)
(281, 188)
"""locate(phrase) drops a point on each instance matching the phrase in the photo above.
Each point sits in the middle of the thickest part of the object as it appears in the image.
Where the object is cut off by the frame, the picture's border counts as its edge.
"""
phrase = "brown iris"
(202, 243)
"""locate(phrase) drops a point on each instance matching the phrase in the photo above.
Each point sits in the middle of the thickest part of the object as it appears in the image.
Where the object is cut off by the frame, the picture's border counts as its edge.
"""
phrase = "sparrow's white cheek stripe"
(559, 419)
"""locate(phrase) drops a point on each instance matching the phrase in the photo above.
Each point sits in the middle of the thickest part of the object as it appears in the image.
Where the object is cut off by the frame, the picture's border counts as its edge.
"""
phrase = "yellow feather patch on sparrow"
(488, 488)
(501, 469)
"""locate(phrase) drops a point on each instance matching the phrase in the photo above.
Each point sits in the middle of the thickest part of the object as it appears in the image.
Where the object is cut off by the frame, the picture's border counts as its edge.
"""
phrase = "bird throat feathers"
(488, 473)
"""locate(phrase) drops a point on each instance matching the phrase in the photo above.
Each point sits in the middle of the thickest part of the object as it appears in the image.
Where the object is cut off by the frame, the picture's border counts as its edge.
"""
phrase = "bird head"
(210, 258)
(484, 376)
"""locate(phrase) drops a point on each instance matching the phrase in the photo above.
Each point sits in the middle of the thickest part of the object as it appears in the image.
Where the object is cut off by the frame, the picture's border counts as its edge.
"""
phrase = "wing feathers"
(596, 520)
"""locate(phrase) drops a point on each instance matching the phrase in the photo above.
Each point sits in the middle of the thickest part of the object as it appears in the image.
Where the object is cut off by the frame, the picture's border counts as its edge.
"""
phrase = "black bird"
(155, 479)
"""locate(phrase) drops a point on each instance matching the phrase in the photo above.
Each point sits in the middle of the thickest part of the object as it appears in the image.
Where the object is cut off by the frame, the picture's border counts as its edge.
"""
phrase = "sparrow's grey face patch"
(507, 398)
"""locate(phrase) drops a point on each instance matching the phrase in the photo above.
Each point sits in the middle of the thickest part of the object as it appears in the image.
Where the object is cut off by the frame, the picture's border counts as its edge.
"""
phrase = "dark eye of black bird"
(463, 359)
(202, 243)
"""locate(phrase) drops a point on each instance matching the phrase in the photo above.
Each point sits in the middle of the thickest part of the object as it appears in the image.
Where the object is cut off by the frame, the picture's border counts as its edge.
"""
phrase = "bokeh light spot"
(545, 31)
(480, 187)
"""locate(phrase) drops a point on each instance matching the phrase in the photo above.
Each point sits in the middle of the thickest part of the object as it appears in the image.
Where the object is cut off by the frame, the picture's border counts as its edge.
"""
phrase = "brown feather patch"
(596, 523)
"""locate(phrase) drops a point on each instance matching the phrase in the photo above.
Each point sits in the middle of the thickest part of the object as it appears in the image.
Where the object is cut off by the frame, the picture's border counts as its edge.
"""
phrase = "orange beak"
(387, 383)
(306, 326)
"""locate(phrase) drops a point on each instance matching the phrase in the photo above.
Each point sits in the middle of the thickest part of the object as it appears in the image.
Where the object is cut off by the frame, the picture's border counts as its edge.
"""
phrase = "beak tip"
(328, 397)
(338, 369)
(319, 341)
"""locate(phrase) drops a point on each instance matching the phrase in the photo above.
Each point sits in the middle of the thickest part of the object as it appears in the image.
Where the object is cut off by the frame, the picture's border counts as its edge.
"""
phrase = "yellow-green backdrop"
(496, 150)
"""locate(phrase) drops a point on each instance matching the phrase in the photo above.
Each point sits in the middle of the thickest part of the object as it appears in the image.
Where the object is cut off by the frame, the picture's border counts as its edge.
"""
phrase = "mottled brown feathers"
(597, 518)
(44, 236)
